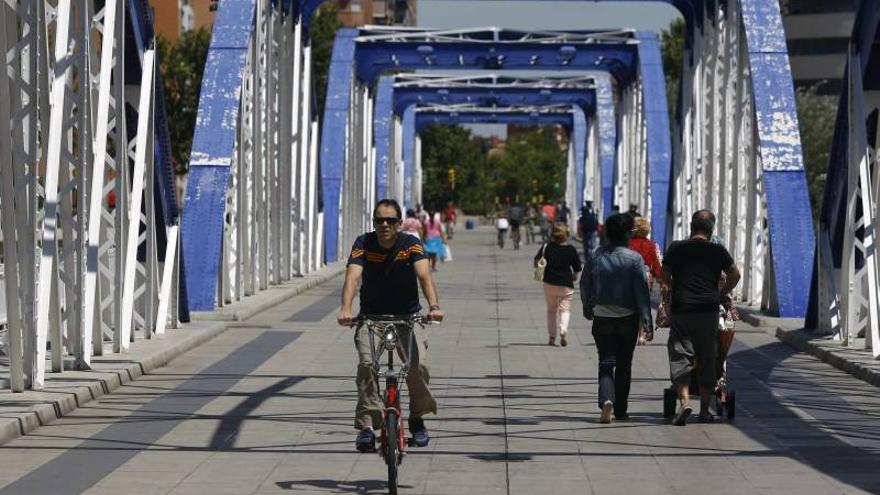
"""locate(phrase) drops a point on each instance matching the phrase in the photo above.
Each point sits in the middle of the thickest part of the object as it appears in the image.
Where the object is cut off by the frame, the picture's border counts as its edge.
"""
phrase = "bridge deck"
(267, 408)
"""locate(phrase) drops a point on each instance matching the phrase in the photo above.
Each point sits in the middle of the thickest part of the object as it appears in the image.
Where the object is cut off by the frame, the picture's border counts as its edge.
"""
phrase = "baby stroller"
(725, 396)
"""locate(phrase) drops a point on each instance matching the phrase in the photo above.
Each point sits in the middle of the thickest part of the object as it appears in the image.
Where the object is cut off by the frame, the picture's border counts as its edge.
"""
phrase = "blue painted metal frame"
(406, 99)
(409, 151)
(334, 135)
(376, 57)
(487, 97)
(383, 118)
(607, 142)
(213, 143)
(424, 119)
(659, 152)
(579, 140)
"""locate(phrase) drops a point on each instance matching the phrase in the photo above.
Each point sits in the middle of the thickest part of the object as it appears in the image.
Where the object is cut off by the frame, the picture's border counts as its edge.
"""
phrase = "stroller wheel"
(669, 398)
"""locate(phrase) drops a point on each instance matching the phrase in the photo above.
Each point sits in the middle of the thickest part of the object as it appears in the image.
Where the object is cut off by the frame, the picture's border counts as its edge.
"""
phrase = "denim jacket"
(616, 275)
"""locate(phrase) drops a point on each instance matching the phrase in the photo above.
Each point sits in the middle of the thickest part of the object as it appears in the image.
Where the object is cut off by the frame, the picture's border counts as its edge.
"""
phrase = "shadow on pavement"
(767, 393)
(362, 486)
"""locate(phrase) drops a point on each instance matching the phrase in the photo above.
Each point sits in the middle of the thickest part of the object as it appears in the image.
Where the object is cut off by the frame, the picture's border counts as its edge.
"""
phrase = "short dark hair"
(618, 227)
(703, 221)
(389, 202)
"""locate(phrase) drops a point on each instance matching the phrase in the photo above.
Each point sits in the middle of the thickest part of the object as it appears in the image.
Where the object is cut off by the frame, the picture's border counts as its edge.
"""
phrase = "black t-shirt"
(562, 263)
(696, 267)
(398, 292)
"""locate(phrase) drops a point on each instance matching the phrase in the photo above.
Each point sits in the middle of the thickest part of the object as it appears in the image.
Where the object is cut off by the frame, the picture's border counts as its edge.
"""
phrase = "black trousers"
(616, 341)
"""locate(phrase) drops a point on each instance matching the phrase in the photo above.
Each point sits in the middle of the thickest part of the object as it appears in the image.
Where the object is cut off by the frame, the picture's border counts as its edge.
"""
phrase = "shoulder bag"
(540, 265)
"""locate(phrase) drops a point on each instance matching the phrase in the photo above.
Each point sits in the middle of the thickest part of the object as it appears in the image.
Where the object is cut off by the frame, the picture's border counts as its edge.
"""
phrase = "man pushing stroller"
(693, 269)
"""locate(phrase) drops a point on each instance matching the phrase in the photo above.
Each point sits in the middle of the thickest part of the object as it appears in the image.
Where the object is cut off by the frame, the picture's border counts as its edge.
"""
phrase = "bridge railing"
(88, 252)
(845, 296)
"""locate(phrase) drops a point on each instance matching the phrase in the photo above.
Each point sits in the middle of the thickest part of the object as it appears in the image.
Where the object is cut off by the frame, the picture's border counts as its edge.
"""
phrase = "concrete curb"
(803, 341)
(103, 382)
(273, 296)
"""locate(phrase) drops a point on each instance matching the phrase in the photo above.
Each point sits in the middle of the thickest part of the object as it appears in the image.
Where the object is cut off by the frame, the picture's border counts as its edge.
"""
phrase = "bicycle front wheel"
(391, 432)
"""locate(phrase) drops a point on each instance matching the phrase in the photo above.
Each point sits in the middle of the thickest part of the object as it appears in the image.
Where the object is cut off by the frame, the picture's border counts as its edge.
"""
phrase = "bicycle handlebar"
(396, 319)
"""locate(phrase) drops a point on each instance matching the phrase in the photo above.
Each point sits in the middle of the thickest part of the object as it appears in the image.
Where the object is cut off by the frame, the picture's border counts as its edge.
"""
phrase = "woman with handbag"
(557, 265)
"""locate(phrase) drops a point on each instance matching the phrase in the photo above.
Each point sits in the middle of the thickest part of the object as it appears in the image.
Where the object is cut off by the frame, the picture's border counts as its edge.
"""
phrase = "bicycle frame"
(387, 327)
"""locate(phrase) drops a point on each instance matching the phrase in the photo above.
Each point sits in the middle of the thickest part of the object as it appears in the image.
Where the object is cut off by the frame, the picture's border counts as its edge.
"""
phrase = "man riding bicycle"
(388, 264)
(516, 213)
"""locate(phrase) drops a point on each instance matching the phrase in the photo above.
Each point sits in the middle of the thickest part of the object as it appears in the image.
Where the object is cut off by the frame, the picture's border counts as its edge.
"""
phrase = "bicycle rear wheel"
(391, 432)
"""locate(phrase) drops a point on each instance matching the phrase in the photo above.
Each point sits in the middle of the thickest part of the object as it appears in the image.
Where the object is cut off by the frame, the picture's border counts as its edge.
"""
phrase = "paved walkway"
(267, 408)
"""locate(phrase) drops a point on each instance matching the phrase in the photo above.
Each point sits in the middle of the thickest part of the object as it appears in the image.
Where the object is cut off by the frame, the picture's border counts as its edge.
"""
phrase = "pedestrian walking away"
(412, 225)
(515, 215)
(432, 231)
(588, 224)
(449, 219)
(390, 266)
(650, 254)
(614, 292)
(693, 268)
(501, 225)
(563, 265)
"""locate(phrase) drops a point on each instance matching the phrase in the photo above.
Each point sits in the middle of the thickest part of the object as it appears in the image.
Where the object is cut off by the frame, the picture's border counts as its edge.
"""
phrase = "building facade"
(172, 18)
(354, 13)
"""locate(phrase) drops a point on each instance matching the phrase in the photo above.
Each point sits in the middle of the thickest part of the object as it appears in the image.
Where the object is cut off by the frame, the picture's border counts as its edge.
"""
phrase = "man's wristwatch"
(434, 307)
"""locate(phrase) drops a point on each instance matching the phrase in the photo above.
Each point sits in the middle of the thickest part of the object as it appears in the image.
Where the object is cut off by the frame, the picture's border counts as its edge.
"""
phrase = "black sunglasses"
(386, 220)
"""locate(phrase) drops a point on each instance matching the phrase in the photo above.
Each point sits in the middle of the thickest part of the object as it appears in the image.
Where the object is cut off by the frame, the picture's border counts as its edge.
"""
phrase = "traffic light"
(450, 175)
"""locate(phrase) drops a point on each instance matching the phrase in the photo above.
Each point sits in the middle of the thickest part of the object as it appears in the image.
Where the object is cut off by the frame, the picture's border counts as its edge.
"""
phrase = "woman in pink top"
(433, 239)
(412, 225)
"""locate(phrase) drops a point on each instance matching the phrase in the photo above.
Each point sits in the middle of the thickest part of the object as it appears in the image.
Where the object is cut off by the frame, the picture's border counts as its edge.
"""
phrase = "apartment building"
(171, 18)
(353, 13)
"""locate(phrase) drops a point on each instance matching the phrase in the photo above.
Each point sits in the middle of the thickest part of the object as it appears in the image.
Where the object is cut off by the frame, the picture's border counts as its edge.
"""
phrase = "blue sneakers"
(366, 440)
(419, 432)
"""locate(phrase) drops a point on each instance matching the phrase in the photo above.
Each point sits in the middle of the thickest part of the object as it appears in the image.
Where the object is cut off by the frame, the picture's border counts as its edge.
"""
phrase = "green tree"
(533, 164)
(322, 32)
(182, 63)
(672, 50)
(816, 116)
(445, 147)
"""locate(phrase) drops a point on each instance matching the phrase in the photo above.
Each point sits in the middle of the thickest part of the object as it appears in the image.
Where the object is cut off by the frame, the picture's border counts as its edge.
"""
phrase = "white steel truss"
(69, 208)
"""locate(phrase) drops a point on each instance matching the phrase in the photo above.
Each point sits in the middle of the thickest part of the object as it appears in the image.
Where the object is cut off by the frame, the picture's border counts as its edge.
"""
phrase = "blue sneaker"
(366, 440)
(419, 432)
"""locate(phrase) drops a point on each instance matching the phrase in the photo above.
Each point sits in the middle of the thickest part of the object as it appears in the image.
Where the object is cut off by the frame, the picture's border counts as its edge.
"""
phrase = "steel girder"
(88, 208)
(472, 98)
(393, 49)
(845, 295)
(253, 205)
(737, 116)
(573, 117)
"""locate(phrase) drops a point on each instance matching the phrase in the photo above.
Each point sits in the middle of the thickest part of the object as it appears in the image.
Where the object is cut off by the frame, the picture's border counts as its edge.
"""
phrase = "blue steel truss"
(213, 142)
(425, 119)
(366, 57)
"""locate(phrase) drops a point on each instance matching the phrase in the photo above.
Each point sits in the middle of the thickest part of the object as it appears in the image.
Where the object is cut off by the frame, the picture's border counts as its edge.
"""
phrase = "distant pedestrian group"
(696, 278)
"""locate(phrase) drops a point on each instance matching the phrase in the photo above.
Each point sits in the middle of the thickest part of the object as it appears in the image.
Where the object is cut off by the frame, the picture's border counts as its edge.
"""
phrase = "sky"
(546, 14)
(542, 15)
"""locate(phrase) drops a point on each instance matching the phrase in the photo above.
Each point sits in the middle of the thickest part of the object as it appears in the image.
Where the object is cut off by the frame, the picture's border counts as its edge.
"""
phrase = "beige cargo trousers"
(370, 406)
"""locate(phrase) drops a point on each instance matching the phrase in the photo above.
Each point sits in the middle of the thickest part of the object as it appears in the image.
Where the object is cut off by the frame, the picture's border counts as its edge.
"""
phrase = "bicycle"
(392, 438)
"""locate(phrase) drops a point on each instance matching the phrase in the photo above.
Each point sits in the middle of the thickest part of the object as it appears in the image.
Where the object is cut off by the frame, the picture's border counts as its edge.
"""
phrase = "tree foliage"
(672, 50)
(322, 32)
(816, 116)
(532, 165)
(182, 63)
